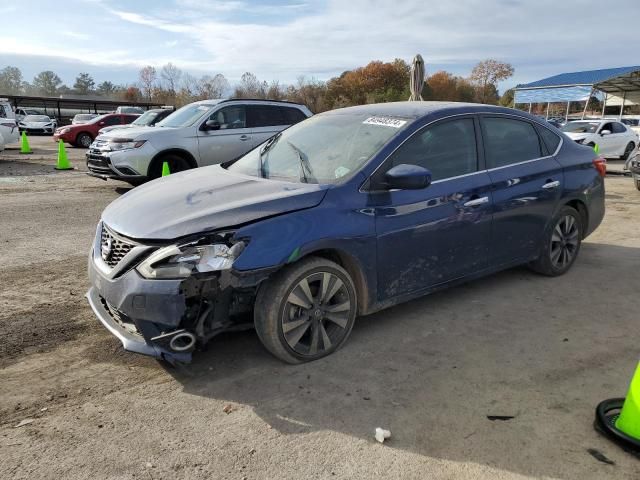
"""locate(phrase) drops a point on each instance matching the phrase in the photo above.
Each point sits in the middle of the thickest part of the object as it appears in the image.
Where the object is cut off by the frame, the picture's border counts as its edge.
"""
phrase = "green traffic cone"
(629, 420)
(24, 143)
(165, 169)
(596, 148)
(63, 161)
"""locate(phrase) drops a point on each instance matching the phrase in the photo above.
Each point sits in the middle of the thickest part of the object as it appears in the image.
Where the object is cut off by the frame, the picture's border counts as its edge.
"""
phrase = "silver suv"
(198, 134)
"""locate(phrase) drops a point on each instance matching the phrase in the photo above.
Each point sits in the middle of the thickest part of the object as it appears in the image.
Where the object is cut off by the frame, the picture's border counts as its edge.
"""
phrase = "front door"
(527, 185)
(440, 233)
(232, 140)
(608, 145)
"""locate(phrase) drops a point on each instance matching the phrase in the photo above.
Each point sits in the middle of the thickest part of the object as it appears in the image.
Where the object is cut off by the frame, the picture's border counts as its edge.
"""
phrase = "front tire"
(84, 140)
(637, 182)
(306, 311)
(176, 164)
(561, 244)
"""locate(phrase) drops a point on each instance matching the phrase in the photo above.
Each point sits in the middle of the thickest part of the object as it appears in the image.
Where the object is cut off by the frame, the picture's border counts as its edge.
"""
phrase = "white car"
(201, 133)
(614, 138)
(38, 124)
(82, 118)
(8, 127)
(23, 112)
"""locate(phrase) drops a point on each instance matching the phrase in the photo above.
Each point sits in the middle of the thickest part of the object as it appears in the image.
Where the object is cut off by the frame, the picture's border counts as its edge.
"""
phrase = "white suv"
(199, 134)
(8, 127)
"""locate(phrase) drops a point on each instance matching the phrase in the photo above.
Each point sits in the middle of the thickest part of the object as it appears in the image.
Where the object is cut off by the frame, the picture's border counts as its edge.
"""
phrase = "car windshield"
(146, 118)
(37, 118)
(580, 127)
(98, 118)
(324, 149)
(185, 116)
(85, 117)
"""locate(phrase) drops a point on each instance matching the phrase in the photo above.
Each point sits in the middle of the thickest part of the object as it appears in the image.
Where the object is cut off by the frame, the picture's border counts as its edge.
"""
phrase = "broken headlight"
(182, 261)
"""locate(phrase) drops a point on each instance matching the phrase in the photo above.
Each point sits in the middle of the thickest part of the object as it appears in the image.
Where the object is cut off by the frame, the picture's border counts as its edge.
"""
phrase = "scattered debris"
(382, 434)
(565, 339)
(149, 465)
(49, 398)
(366, 398)
(252, 451)
(598, 455)
(502, 418)
(24, 422)
(228, 408)
(44, 409)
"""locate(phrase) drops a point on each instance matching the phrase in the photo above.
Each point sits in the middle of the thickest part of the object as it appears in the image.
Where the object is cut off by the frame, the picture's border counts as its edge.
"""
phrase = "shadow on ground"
(541, 350)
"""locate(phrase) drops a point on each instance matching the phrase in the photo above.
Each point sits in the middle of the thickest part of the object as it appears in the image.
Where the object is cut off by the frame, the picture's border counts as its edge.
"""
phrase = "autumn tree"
(106, 89)
(250, 87)
(47, 83)
(486, 75)
(10, 81)
(130, 94)
(171, 75)
(506, 100)
(147, 78)
(84, 83)
(442, 86)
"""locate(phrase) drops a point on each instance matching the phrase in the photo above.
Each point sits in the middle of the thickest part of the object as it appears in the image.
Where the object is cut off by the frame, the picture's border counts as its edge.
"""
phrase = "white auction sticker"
(385, 122)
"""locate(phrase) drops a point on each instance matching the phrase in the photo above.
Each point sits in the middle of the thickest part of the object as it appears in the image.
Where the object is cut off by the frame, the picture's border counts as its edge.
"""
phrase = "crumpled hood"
(203, 199)
(577, 136)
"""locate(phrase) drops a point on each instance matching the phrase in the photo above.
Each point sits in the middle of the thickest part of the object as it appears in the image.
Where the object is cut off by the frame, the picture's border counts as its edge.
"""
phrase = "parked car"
(633, 165)
(147, 119)
(133, 110)
(614, 139)
(37, 124)
(81, 118)
(201, 133)
(346, 213)
(20, 113)
(82, 135)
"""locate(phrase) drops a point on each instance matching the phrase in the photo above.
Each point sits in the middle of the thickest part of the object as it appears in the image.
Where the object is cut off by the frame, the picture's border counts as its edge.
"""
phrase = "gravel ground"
(544, 351)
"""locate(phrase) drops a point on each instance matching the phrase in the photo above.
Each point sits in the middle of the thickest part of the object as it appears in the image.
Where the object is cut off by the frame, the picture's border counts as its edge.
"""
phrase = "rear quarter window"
(292, 115)
(550, 139)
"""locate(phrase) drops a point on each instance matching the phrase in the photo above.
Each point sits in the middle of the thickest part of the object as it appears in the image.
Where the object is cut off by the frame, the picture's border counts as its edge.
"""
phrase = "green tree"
(506, 100)
(106, 89)
(10, 81)
(47, 83)
(84, 84)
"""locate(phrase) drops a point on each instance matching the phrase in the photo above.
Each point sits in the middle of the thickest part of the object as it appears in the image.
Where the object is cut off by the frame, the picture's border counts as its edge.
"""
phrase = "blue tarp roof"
(588, 77)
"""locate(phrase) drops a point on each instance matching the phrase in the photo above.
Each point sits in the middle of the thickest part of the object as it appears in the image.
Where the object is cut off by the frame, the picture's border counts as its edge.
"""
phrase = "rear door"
(126, 119)
(265, 121)
(440, 233)
(527, 183)
(230, 141)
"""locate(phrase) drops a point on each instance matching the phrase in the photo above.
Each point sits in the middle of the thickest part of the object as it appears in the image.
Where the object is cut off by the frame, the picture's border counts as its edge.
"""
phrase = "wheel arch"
(581, 207)
(353, 268)
(174, 151)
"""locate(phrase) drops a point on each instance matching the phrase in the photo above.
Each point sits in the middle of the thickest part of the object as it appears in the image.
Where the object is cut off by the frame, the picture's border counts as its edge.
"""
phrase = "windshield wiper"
(269, 143)
(304, 164)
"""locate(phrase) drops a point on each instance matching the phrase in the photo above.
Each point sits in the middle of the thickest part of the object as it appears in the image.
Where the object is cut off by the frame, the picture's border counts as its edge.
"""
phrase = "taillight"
(600, 165)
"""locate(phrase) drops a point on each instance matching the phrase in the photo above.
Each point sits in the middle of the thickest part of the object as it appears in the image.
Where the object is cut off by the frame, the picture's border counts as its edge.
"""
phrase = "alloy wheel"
(564, 242)
(316, 314)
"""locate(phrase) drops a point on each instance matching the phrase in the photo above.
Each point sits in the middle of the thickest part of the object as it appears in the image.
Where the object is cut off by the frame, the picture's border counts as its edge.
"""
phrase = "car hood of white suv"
(134, 133)
(204, 199)
(577, 136)
(35, 124)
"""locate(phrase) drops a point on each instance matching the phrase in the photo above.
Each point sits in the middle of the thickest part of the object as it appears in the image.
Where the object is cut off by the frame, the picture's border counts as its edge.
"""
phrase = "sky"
(284, 39)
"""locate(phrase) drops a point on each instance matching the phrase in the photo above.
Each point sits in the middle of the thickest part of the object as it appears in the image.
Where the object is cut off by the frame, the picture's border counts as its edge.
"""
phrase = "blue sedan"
(339, 216)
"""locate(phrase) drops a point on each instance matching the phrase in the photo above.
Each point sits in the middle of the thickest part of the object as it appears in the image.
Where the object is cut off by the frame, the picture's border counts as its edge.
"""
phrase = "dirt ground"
(544, 351)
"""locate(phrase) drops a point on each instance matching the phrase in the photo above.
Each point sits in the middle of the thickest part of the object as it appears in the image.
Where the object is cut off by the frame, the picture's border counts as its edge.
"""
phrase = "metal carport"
(617, 86)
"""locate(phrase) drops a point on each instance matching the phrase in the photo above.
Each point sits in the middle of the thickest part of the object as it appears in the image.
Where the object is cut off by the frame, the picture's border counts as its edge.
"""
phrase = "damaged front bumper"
(162, 318)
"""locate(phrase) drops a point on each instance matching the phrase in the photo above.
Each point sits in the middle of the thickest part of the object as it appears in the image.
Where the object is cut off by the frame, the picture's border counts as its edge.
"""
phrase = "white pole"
(529, 107)
(547, 110)
(604, 104)
(586, 104)
(624, 96)
(566, 115)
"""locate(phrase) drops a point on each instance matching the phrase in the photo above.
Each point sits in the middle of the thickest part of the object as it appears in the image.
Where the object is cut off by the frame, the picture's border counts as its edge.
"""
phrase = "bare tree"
(212, 87)
(487, 74)
(171, 75)
(147, 77)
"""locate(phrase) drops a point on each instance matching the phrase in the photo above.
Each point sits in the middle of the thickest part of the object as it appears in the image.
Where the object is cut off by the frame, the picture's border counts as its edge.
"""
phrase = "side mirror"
(407, 177)
(605, 132)
(211, 125)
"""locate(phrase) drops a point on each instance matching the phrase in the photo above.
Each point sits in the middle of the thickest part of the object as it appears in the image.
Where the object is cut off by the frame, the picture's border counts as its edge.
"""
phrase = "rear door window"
(618, 128)
(292, 115)
(508, 141)
(265, 116)
(550, 139)
(112, 120)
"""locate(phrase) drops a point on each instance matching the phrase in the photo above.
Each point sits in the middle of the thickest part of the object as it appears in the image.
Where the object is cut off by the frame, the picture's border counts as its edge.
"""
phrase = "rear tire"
(628, 150)
(637, 182)
(176, 164)
(295, 332)
(561, 244)
(84, 140)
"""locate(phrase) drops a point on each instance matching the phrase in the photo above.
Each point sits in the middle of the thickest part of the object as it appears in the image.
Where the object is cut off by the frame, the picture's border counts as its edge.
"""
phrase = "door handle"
(244, 138)
(476, 202)
(551, 185)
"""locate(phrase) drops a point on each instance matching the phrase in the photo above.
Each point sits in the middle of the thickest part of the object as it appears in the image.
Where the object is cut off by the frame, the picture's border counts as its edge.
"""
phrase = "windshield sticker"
(385, 122)
(341, 172)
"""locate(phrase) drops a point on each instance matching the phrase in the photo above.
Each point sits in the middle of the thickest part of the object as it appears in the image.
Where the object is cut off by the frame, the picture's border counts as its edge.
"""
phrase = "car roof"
(422, 108)
(216, 101)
